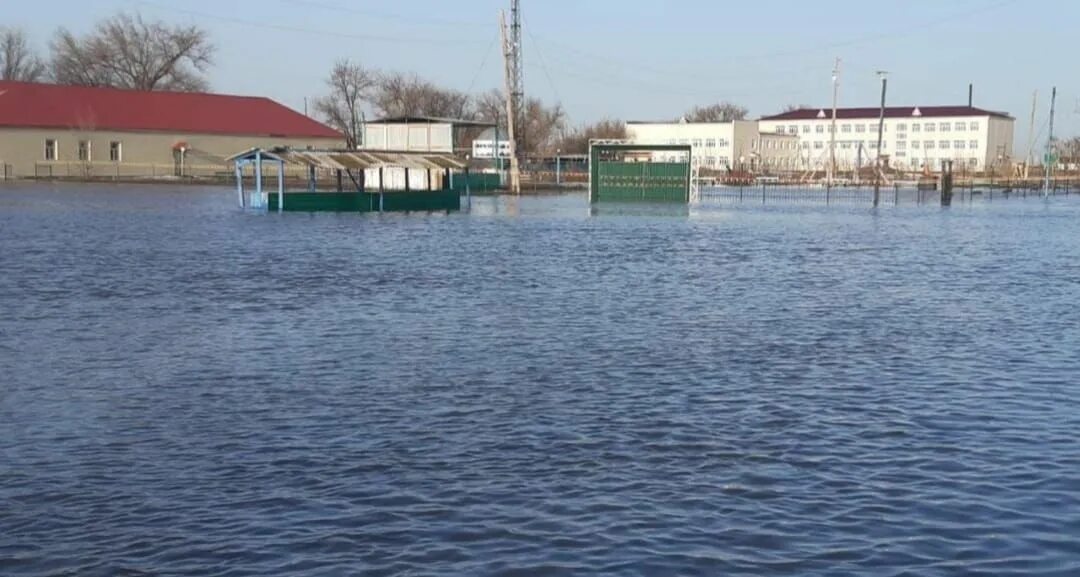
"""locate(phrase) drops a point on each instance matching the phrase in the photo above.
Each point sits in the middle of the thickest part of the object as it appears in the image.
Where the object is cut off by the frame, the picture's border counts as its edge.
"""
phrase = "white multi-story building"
(722, 145)
(915, 138)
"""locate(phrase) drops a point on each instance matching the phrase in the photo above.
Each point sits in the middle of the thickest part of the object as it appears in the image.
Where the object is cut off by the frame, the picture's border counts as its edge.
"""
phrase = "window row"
(944, 144)
(847, 128)
(84, 150)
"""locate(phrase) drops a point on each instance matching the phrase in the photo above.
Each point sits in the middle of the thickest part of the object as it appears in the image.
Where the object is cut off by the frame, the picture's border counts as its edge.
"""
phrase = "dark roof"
(430, 120)
(890, 112)
(31, 105)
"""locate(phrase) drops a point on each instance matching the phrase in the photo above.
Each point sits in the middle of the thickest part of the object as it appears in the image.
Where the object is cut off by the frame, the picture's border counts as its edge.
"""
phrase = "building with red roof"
(53, 130)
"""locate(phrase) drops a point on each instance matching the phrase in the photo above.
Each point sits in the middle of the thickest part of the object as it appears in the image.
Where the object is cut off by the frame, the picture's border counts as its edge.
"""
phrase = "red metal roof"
(31, 105)
(890, 112)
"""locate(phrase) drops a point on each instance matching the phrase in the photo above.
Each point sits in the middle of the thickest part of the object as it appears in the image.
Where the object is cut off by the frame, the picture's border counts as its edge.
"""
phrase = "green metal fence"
(643, 181)
(623, 172)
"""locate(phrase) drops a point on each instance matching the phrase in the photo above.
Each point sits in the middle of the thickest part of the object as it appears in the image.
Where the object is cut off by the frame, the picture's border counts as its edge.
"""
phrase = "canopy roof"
(354, 159)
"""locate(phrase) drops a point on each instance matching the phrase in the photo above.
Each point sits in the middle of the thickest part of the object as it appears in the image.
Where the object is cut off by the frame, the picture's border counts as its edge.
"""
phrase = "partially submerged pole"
(880, 135)
(1049, 159)
(832, 129)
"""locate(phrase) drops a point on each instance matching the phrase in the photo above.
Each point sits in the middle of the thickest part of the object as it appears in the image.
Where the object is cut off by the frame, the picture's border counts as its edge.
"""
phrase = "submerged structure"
(351, 181)
(624, 171)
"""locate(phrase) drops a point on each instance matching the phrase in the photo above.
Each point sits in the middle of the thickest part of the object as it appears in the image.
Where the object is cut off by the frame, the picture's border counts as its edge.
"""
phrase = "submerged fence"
(888, 195)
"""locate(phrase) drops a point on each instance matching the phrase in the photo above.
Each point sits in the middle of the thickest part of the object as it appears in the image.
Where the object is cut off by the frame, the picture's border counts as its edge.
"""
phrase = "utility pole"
(971, 95)
(1031, 136)
(1050, 145)
(515, 172)
(517, 76)
(880, 136)
(832, 134)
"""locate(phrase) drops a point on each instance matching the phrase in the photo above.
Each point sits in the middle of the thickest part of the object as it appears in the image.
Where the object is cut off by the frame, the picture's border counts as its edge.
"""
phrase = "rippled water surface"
(531, 389)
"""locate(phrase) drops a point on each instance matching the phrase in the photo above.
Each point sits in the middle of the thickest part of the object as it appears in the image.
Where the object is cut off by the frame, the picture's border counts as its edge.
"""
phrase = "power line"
(415, 19)
(483, 63)
(543, 63)
(301, 30)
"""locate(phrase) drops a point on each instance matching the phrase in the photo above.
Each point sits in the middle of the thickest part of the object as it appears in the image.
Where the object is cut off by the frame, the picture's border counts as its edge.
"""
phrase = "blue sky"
(634, 59)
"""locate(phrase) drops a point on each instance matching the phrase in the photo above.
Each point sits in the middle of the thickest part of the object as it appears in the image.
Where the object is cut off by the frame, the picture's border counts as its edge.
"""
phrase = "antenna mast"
(517, 76)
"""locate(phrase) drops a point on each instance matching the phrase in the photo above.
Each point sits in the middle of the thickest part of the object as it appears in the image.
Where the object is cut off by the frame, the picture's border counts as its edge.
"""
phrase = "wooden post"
(281, 186)
(258, 177)
(340, 183)
(946, 182)
(240, 183)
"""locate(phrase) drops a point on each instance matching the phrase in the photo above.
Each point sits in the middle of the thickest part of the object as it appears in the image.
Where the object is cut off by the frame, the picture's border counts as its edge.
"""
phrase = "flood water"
(534, 388)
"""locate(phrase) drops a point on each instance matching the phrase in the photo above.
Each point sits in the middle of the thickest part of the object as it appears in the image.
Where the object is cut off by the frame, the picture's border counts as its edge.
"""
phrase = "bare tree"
(490, 106)
(545, 125)
(17, 61)
(794, 107)
(127, 52)
(577, 141)
(351, 87)
(408, 95)
(719, 112)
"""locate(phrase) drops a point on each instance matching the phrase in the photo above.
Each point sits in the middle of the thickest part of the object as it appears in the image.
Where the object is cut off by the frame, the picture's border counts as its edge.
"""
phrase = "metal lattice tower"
(517, 77)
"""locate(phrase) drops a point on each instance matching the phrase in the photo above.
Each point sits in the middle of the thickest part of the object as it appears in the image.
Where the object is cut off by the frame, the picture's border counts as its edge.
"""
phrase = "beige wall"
(143, 153)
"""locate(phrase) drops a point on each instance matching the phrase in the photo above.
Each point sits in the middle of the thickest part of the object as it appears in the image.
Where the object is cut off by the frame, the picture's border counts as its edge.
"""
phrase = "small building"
(422, 134)
(718, 145)
(914, 138)
(49, 130)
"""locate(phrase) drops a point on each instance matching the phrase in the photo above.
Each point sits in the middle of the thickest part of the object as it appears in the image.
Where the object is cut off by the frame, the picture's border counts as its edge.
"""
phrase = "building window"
(722, 142)
(805, 145)
(684, 141)
(974, 125)
(974, 144)
(915, 144)
(873, 129)
(901, 154)
(845, 145)
(928, 145)
(860, 128)
(902, 145)
(50, 149)
(845, 128)
(819, 144)
(672, 141)
(901, 127)
(945, 126)
(960, 126)
(820, 129)
(916, 127)
(116, 151)
(710, 161)
(793, 129)
(806, 129)
(84, 150)
(710, 143)
(974, 162)
(697, 143)
(959, 144)
(943, 144)
(930, 127)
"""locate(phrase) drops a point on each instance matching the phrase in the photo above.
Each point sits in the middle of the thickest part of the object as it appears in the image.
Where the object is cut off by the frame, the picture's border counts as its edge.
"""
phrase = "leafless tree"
(128, 52)
(490, 106)
(351, 86)
(17, 60)
(794, 107)
(400, 94)
(577, 141)
(544, 125)
(719, 112)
